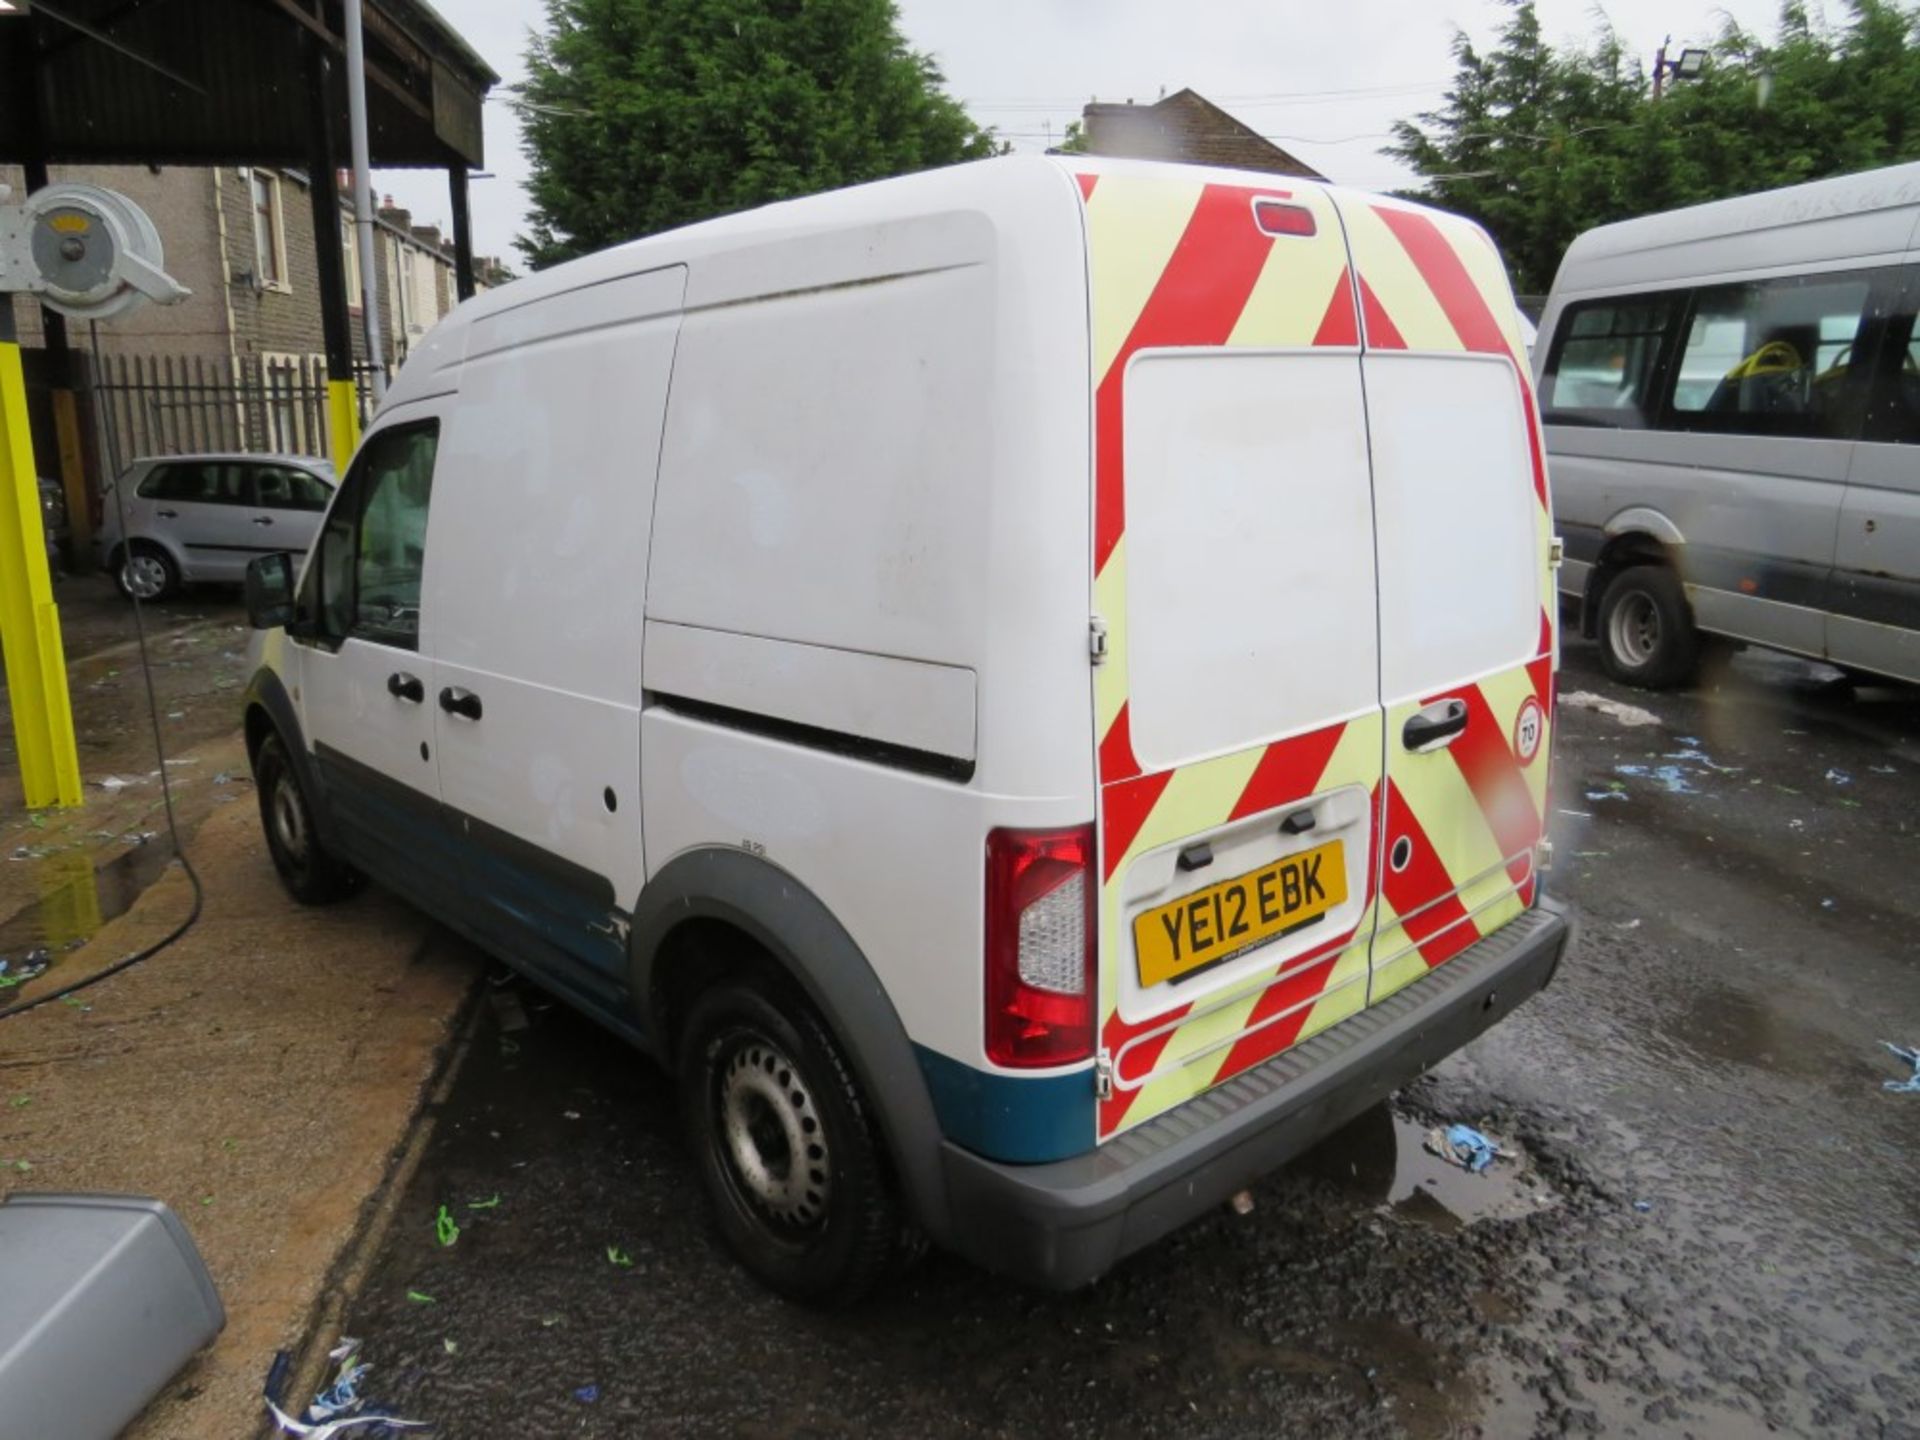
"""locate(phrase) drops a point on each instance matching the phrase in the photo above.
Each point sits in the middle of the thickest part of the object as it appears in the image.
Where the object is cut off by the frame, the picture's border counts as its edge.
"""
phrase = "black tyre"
(1646, 629)
(146, 571)
(311, 874)
(786, 1146)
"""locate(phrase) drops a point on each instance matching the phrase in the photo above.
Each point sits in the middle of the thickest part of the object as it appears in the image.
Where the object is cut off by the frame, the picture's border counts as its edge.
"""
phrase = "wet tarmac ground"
(1712, 1227)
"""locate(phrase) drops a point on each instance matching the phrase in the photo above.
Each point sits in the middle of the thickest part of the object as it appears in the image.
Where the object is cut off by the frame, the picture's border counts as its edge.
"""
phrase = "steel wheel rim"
(772, 1138)
(289, 820)
(144, 575)
(1634, 629)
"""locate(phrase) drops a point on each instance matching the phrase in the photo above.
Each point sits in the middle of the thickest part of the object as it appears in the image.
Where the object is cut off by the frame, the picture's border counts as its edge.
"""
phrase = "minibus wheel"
(1647, 637)
(311, 873)
(786, 1145)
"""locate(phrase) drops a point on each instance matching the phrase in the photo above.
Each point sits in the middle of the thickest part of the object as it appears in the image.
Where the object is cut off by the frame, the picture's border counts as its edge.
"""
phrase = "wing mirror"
(270, 591)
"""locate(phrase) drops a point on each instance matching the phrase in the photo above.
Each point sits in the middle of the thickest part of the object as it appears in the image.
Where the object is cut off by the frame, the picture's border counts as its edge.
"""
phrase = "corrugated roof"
(203, 82)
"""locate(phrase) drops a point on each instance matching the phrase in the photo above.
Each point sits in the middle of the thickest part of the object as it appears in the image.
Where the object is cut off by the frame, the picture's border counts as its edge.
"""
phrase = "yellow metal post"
(29, 622)
(343, 422)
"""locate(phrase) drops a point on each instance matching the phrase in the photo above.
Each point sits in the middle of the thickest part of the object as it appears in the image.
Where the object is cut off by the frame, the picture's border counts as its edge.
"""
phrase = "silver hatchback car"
(203, 517)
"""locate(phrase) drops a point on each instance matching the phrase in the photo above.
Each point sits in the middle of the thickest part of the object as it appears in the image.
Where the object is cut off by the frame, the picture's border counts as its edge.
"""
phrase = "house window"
(269, 242)
(402, 288)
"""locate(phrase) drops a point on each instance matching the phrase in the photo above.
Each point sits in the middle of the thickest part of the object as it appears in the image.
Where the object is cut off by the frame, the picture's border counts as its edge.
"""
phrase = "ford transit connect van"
(1732, 403)
(1027, 687)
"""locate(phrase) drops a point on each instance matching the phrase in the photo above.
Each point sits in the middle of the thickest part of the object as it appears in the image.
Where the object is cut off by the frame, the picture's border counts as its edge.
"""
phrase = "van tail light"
(1040, 946)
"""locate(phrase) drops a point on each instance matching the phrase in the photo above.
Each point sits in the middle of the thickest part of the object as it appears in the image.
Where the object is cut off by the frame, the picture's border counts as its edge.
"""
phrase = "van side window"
(1606, 361)
(364, 579)
(1776, 357)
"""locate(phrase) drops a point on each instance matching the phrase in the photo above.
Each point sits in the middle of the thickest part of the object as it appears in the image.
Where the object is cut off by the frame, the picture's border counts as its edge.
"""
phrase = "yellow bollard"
(343, 423)
(29, 621)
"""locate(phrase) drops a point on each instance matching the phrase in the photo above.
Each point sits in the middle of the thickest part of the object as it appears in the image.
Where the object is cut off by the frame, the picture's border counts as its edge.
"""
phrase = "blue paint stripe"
(1020, 1118)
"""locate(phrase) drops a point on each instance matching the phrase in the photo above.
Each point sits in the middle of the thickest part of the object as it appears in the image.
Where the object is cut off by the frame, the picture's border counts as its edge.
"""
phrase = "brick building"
(1189, 128)
(241, 239)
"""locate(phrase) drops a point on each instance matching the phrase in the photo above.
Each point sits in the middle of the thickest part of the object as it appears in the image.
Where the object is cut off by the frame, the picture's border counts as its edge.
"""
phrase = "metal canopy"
(227, 82)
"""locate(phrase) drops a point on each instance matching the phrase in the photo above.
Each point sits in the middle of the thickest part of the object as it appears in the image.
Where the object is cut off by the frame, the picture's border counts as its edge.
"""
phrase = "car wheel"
(312, 875)
(147, 573)
(786, 1146)
(1647, 637)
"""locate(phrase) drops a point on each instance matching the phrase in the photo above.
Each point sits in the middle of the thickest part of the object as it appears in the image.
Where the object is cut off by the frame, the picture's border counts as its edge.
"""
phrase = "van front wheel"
(1646, 629)
(311, 873)
(787, 1150)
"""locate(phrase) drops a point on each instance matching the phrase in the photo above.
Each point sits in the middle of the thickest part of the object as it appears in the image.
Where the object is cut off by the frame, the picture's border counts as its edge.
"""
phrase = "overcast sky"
(1324, 78)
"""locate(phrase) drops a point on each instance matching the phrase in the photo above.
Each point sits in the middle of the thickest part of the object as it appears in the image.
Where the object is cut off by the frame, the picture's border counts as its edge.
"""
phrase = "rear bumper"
(1065, 1223)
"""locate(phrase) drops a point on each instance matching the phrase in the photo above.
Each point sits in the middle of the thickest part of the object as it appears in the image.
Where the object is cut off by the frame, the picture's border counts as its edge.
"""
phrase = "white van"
(1025, 686)
(1732, 403)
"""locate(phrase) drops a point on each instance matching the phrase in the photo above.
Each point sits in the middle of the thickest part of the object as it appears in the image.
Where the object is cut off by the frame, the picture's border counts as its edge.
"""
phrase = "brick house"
(241, 363)
(1189, 128)
(241, 239)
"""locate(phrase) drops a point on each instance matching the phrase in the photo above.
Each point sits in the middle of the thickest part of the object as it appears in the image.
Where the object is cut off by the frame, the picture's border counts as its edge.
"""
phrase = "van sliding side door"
(1873, 600)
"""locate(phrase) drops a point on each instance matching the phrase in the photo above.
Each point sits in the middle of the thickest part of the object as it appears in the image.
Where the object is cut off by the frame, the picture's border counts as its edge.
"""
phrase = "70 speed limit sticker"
(1528, 727)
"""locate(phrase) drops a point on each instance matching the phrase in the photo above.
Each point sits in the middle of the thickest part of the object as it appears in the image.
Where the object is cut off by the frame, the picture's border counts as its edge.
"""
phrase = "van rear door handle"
(263, 519)
(1435, 726)
(460, 702)
(168, 514)
(403, 686)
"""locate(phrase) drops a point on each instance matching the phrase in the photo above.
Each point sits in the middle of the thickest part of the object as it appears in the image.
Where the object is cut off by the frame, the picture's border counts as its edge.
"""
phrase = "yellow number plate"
(1235, 915)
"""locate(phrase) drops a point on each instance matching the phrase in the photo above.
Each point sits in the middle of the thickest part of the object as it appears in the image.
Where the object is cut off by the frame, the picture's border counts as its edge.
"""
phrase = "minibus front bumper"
(1064, 1223)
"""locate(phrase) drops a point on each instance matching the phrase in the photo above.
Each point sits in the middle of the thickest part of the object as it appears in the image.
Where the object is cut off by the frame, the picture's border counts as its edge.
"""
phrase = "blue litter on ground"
(1670, 777)
(1643, 1206)
(587, 1394)
(1911, 1056)
(1839, 777)
(1464, 1146)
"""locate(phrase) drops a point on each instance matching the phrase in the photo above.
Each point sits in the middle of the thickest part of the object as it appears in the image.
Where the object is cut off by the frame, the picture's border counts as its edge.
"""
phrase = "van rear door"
(1237, 709)
(1466, 621)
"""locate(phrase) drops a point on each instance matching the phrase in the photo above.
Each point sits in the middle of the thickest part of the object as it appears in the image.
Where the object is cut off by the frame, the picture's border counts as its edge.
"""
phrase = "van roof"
(924, 192)
(1818, 203)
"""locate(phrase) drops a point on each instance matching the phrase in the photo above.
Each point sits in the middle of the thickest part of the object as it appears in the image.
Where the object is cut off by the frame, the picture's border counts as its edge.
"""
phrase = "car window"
(1606, 361)
(1776, 357)
(201, 482)
(281, 487)
(364, 579)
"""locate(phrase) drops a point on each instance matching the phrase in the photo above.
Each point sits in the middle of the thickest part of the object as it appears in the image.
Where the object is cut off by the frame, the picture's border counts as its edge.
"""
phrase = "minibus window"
(1605, 365)
(1775, 357)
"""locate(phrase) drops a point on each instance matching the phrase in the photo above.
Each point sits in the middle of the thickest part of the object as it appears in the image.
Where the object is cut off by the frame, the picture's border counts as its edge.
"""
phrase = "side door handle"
(1435, 726)
(403, 686)
(168, 514)
(460, 702)
(263, 519)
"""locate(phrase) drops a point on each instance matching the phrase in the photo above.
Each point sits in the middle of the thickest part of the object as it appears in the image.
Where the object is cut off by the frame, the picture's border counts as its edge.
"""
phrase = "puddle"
(77, 898)
(1382, 1158)
(1721, 1025)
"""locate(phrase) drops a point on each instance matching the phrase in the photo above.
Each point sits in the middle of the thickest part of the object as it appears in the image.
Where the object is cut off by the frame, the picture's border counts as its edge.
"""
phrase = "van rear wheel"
(786, 1146)
(1647, 637)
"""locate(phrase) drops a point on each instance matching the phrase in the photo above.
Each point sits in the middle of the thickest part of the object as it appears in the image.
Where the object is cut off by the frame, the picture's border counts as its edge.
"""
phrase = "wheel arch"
(1635, 537)
(269, 710)
(705, 899)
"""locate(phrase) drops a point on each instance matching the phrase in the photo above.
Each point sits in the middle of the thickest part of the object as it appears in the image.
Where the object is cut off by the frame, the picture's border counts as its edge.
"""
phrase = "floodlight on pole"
(1690, 65)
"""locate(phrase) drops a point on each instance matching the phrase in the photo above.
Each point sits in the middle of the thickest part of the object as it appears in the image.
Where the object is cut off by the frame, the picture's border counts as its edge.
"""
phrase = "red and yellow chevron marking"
(1473, 811)
(1176, 260)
